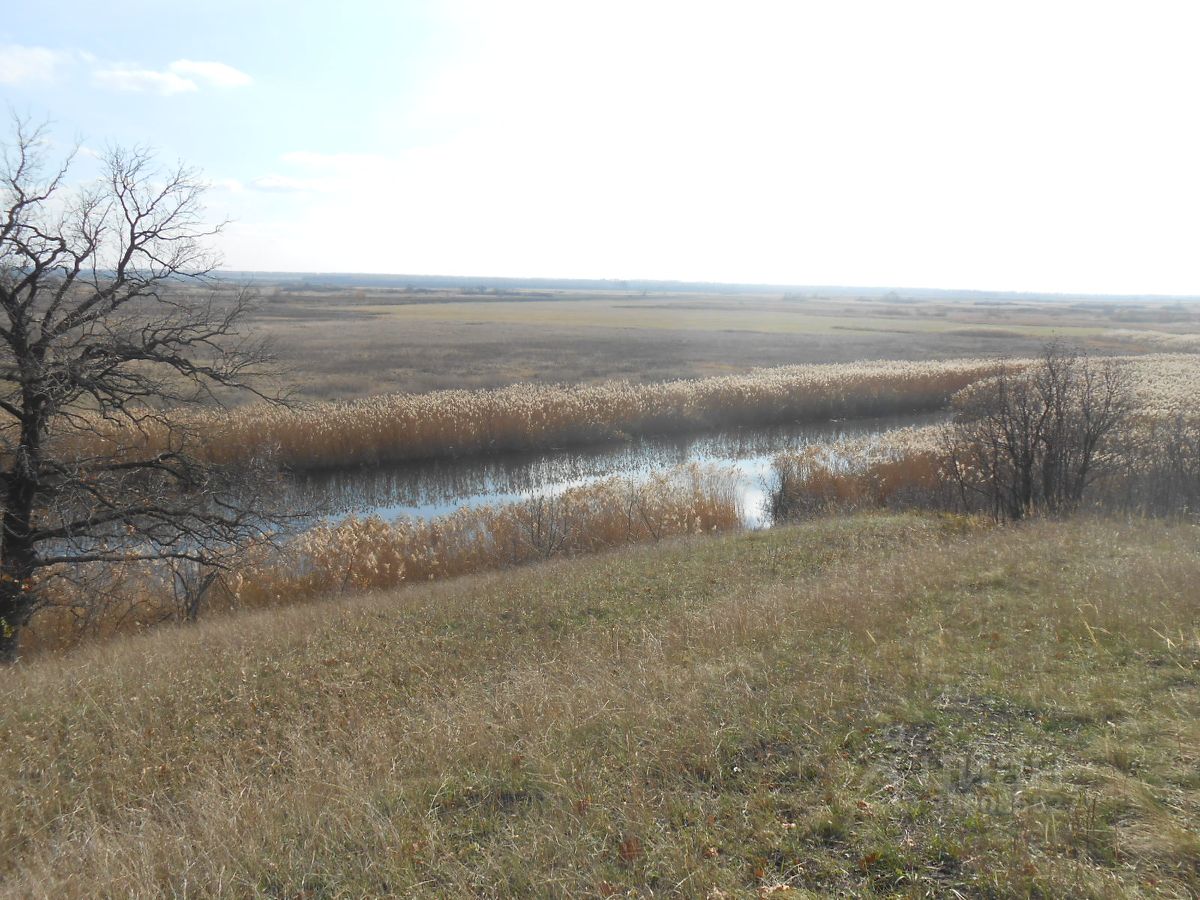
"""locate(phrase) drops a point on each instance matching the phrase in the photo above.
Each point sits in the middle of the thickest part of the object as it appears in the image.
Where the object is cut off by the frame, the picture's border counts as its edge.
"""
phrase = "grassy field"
(877, 705)
(351, 343)
(778, 317)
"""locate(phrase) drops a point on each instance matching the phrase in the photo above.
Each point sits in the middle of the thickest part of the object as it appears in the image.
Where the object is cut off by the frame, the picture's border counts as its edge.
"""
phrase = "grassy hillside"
(880, 704)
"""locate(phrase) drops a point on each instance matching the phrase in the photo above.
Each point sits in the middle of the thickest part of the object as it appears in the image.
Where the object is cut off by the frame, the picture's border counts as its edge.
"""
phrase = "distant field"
(351, 343)
(778, 317)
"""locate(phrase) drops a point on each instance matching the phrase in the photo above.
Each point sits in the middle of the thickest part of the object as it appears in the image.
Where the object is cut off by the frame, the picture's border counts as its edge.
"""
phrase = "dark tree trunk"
(18, 549)
(17, 565)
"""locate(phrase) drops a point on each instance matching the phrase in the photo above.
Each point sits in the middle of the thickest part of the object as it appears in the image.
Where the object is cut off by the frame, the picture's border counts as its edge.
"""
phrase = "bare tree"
(1032, 438)
(110, 330)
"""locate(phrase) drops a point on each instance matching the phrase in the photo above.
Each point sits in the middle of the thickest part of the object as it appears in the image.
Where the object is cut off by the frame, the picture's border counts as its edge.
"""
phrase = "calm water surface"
(424, 490)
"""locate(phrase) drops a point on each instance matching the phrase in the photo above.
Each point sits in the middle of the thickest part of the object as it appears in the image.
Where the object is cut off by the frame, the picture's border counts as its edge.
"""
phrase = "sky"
(1044, 146)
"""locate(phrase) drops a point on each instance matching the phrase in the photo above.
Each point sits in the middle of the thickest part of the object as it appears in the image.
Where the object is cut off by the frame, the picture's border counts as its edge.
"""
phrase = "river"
(424, 490)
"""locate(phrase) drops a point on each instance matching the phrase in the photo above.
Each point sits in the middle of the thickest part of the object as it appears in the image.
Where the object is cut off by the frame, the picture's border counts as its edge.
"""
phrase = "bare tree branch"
(110, 330)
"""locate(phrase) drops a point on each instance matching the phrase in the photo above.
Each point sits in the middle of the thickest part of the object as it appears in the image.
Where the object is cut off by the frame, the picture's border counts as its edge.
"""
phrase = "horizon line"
(761, 286)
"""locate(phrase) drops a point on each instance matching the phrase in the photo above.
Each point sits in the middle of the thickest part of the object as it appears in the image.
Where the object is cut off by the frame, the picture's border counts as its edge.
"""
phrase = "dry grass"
(871, 706)
(1166, 384)
(345, 344)
(1153, 462)
(364, 554)
(1158, 340)
(398, 427)
(708, 314)
(393, 428)
(902, 467)
(355, 555)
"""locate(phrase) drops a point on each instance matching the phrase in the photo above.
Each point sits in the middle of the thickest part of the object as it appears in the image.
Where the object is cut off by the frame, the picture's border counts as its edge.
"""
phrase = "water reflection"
(429, 489)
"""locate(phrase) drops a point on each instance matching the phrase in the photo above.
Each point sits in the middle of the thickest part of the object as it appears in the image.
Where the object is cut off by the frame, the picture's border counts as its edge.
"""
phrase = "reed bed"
(900, 467)
(1153, 464)
(361, 554)
(400, 427)
(1165, 384)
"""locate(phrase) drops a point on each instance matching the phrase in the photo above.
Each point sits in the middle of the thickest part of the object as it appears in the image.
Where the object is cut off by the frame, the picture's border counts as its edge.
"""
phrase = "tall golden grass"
(1154, 462)
(1165, 384)
(360, 554)
(899, 467)
(399, 427)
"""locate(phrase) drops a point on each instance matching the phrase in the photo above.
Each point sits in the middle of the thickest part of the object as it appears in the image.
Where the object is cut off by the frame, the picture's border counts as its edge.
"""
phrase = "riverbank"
(430, 489)
(95, 602)
(400, 427)
(863, 705)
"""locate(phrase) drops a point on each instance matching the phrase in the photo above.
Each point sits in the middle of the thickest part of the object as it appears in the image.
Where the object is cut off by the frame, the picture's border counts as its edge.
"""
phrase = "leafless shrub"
(1120, 434)
(1159, 474)
(1035, 440)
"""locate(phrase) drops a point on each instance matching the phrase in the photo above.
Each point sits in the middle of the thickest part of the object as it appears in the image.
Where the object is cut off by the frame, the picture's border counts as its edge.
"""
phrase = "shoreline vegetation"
(1149, 469)
(392, 428)
(358, 554)
(355, 555)
(396, 428)
(899, 469)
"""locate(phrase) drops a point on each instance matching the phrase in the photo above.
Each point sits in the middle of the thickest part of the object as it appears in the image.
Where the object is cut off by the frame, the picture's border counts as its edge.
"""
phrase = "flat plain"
(347, 343)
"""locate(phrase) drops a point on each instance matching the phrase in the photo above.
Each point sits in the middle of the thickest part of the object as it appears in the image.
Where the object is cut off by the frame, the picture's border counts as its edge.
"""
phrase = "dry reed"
(900, 467)
(1158, 340)
(1154, 463)
(399, 427)
(358, 554)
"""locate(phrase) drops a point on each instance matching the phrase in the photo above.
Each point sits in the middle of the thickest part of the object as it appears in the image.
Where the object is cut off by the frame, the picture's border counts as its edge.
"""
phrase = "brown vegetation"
(355, 555)
(399, 427)
(854, 707)
(1120, 434)
(344, 343)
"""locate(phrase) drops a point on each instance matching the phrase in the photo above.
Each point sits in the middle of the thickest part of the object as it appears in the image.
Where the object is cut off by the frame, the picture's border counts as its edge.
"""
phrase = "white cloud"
(325, 173)
(123, 78)
(180, 77)
(216, 74)
(20, 64)
(229, 185)
(286, 184)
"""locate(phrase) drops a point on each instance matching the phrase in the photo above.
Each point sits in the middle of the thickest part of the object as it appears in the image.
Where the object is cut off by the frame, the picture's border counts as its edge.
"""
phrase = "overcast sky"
(1029, 146)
